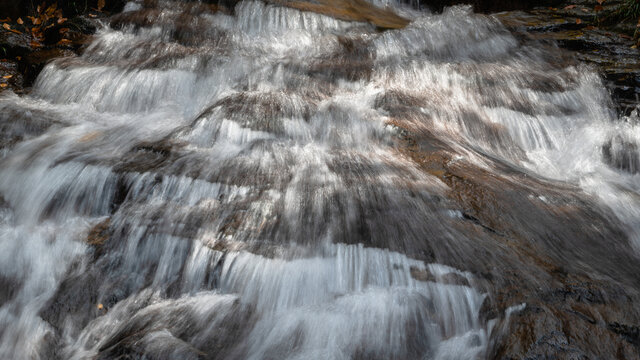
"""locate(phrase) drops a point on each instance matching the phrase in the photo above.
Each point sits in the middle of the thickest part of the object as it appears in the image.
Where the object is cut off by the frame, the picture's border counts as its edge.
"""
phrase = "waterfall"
(205, 184)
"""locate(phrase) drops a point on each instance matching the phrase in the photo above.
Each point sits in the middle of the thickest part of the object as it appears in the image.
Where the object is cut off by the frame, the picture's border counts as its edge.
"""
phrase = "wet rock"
(17, 125)
(622, 154)
(13, 45)
(488, 5)
(36, 61)
(630, 333)
(574, 29)
(10, 76)
(454, 279)
(98, 235)
(422, 274)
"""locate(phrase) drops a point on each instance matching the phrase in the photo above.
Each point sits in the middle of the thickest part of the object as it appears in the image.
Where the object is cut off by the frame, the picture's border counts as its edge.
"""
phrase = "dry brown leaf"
(7, 76)
(3, 85)
(598, 8)
(93, 15)
(569, 7)
(578, 21)
(5, 19)
(19, 21)
(100, 5)
(18, 58)
(35, 44)
(62, 20)
(64, 42)
(51, 10)
(6, 26)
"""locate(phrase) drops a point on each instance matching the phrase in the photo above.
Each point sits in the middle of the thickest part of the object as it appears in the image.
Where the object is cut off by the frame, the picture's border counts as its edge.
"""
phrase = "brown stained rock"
(549, 253)
(99, 233)
(349, 10)
(421, 274)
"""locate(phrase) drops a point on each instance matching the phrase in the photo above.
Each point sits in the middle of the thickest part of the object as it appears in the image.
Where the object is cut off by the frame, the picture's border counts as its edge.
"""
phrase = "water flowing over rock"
(280, 181)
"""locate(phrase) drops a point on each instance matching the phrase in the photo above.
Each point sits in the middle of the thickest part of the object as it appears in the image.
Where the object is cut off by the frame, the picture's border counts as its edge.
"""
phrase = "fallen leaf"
(19, 21)
(585, 10)
(6, 26)
(64, 42)
(578, 21)
(100, 5)
(35, 44)
(7, 76)
(61, 20)
(3, 85)
(569, 7)
(18, 58)
(598, 8)
(100, 306)
(5, 19)
(93, 15)
(51, 10)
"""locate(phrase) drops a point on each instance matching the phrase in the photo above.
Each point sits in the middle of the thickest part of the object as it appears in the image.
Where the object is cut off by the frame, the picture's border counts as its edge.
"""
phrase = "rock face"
(613, 53)
(488, 5)
(272, 183)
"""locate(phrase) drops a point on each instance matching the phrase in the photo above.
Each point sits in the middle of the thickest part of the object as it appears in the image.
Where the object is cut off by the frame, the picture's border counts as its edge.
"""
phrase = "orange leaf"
(35, 44)
(3, 85)
(64, 42)
(578, 21)
(5, 19)
(7, 76)
(93, 15)
(6, 26)
(598, 8)
(19, 21)
(61, 20)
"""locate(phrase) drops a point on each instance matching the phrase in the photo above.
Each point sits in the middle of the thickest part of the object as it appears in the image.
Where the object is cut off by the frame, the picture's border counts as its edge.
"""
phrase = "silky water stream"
(203, 184)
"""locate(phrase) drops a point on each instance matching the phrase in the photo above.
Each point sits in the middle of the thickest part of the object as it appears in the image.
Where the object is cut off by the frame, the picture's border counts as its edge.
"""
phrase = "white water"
(240, 182)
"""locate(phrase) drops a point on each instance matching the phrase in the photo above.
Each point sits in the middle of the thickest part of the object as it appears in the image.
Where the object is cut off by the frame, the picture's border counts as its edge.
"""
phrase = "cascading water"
(201, 184)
